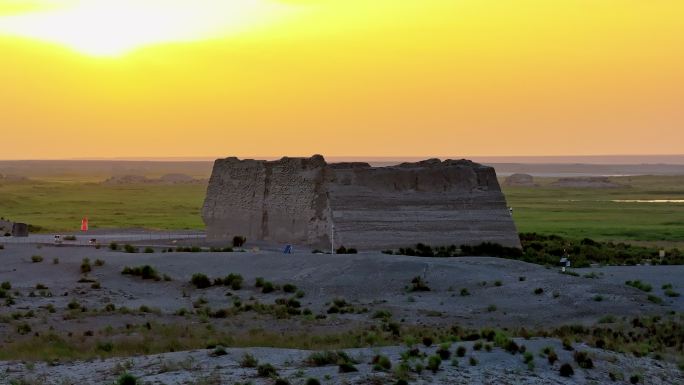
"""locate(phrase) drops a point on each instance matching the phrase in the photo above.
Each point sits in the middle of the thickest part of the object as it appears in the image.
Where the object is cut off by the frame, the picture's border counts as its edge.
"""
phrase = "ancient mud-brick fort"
(300, 200)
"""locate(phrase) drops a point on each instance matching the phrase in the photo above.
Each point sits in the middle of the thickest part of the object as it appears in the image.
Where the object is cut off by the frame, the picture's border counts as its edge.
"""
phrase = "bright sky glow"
(450, 78)
(116, 27)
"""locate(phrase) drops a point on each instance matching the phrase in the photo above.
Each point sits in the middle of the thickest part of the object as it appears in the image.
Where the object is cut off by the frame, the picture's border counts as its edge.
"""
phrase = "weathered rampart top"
(299, 200)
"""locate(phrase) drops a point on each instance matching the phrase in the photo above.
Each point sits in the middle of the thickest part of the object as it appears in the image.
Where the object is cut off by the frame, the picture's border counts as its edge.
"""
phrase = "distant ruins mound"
(587, 182)
(12, 178)
(166, 179)
(520, 180)
(305, 200)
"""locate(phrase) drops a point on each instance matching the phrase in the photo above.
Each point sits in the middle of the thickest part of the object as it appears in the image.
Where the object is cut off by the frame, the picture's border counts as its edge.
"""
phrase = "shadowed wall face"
(433, 202)
(297, 200)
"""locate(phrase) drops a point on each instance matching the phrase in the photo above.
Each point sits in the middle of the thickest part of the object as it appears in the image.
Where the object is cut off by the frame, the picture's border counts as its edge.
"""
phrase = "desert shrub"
(149, 250)
(491, 308)
(113, 246)
(267, 287)
(40, 286)
(266, 370)
(583, 360)
(127, 379)
(144, 272)
(105, 346)
(69, 237)
(538, 291)
(434, 362)
(522, 279)
(218, 351)
(289, 288)
(639, 285)
(511, 346)
(259, 282)
(85, 266)
(312, 381)
(528, 357)
(417, 284)
(464, 292)
(655, 299)
(472, 361)
(634, 379)
(23, 328)
(36, 259)
(234, 281)
(552, 357)
(461, 351)
(497, 283)
(381, 363)
(347, 367)
(130, 248)
(239, 241)
(566, 370)
(281, 381)
(477, 346)
(598, 298)
(567, 344)
(344, 250)
(427, 341)
(248, 361)
(671, 293)
(55, 261)
(382, 314)
(329, 358)
(201, 281)
(6, 285)
(444, 353)
(99, 262)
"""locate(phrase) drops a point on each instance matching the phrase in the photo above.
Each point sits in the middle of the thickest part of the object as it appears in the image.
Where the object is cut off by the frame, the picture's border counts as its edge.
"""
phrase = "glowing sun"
(116, 27)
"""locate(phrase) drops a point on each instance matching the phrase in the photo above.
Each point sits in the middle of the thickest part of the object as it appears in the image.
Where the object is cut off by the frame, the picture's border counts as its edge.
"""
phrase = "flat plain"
(601, 214)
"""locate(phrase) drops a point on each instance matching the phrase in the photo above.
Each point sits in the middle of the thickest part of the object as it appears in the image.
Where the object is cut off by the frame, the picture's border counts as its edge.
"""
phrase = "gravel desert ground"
(78, 313)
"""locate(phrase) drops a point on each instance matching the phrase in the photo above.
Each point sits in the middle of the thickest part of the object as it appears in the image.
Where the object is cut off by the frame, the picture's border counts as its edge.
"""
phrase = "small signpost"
(564, 261)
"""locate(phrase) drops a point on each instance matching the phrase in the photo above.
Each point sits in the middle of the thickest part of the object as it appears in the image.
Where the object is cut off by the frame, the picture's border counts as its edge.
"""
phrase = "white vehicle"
(58, 240)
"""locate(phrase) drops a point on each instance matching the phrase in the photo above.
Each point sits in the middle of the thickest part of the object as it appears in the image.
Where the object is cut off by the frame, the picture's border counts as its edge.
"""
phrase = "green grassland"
(591, 213)
(59, 205)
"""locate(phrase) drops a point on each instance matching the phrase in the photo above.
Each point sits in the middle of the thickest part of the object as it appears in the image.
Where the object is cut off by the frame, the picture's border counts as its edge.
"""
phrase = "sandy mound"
(519, 180)
(586, 182)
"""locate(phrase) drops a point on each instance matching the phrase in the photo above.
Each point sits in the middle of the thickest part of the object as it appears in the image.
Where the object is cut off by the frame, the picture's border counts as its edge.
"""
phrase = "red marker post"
(84, 224)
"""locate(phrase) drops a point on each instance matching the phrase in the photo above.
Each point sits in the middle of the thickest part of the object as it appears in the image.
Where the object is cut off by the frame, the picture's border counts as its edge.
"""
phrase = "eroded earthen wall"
(282, 201)
(437, 203)
(296, 200)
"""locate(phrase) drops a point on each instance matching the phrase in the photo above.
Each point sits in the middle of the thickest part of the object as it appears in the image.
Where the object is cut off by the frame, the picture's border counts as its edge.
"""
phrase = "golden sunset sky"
(137, 78)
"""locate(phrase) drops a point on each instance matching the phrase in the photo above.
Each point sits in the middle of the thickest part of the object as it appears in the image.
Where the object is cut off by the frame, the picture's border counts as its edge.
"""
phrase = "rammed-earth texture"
(305, 200)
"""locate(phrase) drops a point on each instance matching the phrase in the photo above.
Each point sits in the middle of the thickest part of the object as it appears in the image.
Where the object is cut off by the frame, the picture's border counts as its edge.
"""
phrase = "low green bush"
(434, 362)
(418, 284)
(201, 281)
(144, 272)
(566, 370)
(127, 379)
(266, 370)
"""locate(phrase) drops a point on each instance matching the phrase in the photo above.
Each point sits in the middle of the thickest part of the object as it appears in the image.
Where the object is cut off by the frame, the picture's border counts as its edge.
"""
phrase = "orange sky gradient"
(340, 77)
